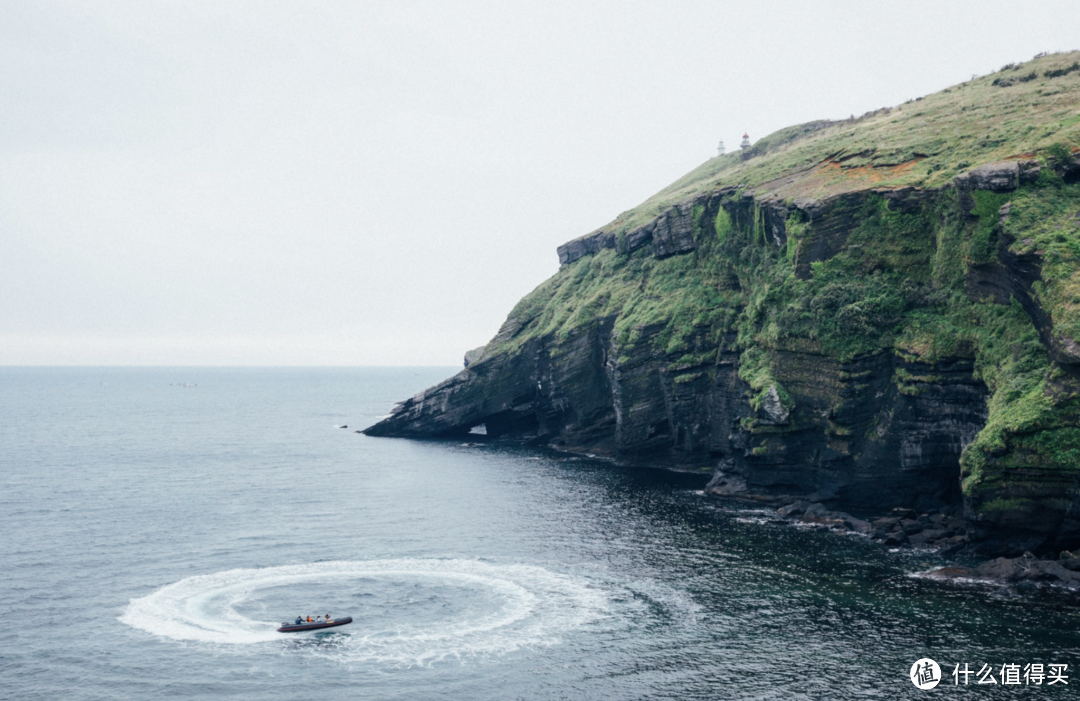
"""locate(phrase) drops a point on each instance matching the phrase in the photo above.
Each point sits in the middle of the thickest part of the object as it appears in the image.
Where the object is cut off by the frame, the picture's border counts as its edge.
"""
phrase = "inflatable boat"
(314, 625)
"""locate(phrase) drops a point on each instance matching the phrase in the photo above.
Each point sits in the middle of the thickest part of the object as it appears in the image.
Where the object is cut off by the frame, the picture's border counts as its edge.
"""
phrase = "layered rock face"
(872, 430)
(542, 393)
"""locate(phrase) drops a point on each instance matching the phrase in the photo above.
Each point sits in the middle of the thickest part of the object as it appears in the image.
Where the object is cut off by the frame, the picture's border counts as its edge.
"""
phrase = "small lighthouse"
(745, 146)
(720, 149)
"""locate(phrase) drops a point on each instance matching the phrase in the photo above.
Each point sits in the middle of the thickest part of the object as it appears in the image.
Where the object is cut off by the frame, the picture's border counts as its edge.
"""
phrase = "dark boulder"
(896, 538)
(996, 177)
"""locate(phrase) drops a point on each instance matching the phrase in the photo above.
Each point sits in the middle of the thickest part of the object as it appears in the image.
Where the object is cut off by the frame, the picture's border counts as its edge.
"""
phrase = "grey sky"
(377, 183)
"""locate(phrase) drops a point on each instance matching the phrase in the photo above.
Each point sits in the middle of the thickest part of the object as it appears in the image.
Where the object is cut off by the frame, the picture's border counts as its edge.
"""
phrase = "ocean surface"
(159, 524)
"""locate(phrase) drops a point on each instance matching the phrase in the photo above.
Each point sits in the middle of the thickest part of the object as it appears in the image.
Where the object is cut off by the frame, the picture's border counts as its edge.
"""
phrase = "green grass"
(1046, 219)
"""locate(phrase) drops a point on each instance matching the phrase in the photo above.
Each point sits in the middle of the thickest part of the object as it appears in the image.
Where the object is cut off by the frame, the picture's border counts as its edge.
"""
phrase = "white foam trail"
(524, 606)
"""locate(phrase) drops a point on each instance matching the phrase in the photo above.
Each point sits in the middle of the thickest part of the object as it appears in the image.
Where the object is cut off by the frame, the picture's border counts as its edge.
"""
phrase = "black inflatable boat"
(314, 625)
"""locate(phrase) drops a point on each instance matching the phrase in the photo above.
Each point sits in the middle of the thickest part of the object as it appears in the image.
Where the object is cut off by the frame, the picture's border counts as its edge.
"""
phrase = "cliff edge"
(872, 313)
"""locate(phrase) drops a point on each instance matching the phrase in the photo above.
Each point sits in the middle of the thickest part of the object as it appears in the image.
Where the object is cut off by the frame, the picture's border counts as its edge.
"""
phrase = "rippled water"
(156, 535)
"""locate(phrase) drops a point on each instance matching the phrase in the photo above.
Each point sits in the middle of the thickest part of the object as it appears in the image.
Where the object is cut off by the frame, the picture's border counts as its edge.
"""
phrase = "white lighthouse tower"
(745, 146)
(720, 149)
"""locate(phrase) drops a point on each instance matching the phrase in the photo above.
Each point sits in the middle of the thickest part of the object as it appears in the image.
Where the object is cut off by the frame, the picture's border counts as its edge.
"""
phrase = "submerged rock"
(1026, 568)
(793, 510)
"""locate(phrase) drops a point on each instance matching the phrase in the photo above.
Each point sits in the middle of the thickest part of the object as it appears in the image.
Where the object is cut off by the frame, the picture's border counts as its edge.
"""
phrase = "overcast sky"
(378, 183)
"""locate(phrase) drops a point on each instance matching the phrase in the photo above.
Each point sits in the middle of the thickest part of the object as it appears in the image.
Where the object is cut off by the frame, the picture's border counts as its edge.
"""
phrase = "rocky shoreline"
(944, 531)
(939, 529)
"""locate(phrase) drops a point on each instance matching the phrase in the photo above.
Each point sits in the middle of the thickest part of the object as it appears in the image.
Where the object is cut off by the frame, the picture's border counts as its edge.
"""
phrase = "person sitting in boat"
(309, 619)
(327, 618)
(299, 620)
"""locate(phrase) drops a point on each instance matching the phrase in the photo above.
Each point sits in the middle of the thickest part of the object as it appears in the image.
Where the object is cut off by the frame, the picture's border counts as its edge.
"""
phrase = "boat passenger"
(309, 619)
(299, 620)
(327, 617)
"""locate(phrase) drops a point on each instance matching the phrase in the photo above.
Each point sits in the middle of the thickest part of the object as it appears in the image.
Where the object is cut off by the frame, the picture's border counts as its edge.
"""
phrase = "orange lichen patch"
(832, 177)
(874, 174)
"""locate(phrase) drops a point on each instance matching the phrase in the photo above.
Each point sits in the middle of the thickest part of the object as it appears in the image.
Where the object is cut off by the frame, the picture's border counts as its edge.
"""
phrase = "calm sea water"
(156, 534)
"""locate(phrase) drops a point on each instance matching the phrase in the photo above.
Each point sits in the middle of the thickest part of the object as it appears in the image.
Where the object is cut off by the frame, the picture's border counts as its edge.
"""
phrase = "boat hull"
(303, 627)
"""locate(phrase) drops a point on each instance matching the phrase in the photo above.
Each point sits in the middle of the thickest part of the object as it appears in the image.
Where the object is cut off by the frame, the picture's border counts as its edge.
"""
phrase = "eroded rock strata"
(819, 323)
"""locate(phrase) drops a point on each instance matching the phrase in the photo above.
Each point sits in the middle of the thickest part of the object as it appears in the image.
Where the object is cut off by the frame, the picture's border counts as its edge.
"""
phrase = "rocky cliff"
(874, 313)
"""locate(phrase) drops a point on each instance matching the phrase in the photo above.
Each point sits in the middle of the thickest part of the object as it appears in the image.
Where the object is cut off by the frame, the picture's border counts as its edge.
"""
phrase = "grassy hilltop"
(1020, 111)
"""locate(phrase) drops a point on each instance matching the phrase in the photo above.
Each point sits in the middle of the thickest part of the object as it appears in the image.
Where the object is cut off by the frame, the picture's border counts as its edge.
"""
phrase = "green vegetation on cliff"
(683, 293)
(924, 143)
(878, 237)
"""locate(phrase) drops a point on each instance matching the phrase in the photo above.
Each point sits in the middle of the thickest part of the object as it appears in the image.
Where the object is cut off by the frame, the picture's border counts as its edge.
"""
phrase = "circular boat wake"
(407, 611)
